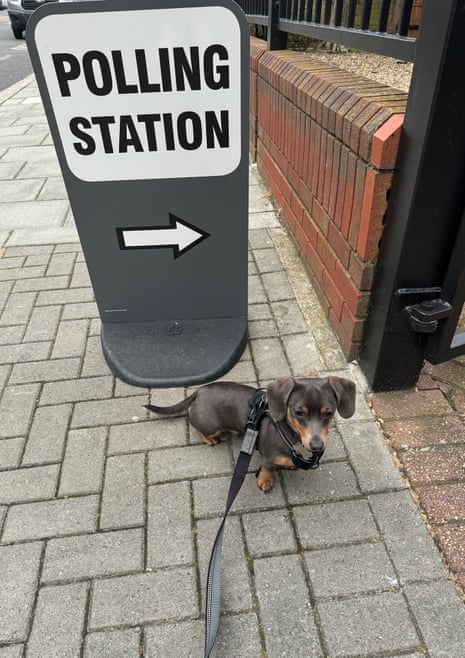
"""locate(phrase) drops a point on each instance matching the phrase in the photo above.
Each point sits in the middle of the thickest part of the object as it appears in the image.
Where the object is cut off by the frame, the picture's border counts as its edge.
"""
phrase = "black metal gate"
(419, 287)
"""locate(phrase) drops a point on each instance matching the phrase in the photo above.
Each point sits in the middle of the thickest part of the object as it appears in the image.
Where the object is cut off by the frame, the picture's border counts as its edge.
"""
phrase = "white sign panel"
(166, 104)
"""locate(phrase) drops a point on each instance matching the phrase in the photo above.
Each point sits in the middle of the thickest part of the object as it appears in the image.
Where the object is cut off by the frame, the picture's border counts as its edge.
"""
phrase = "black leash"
(258, 409)
(213, 591)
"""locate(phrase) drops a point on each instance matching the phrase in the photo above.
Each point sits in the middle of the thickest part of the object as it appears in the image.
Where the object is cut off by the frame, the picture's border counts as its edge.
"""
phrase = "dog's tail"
(173, 409)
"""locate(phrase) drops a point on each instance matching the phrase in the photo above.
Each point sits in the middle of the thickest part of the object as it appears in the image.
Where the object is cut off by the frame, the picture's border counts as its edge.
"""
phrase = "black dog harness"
(258, 410)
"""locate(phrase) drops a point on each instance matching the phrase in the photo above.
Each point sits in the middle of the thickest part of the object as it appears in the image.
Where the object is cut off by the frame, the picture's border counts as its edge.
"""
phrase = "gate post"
(277, 40)
(425, 204)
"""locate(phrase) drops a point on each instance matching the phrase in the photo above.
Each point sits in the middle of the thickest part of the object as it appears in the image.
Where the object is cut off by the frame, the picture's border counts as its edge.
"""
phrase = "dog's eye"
(299, 413)
(327, 413)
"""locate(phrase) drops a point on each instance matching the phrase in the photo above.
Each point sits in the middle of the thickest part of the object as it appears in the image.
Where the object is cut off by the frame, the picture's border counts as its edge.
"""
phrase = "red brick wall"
(326, 142)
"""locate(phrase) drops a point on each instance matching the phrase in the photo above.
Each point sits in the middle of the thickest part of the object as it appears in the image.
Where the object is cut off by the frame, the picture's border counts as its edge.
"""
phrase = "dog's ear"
(344, 390)
(278, 393)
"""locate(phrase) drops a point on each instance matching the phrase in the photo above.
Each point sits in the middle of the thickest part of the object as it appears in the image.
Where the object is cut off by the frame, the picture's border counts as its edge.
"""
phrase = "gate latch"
(424, 316)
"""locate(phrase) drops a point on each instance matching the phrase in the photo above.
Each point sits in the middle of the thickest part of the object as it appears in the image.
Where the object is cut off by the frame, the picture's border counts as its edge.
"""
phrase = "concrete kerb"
(344, 567)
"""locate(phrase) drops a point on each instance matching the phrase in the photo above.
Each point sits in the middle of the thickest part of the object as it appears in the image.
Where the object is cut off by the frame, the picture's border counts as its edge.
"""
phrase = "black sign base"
(165, 354)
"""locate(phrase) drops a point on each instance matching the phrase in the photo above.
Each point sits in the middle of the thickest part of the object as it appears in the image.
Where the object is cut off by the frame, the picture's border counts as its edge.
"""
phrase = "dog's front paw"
(265, 480)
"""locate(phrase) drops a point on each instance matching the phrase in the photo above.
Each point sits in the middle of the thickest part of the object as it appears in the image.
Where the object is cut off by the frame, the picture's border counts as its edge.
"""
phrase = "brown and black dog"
(302, 408)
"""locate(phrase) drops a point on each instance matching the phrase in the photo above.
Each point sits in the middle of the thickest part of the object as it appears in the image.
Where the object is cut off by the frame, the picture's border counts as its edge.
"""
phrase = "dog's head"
(308, 405)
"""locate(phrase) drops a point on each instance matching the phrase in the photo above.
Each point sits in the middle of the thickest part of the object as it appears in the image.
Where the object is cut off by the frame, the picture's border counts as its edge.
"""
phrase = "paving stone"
(24, 352)
(408, 541)
(267, 260)
(77, 390)
(94, 361)
(260, 239)
(12, 263)
(437, 465)
(45, 371)
(270, 360)
(421, 432)
(451, 540)
(54, 518)
(68, 296)
(285, 608)
(277, 286)
(346, 570)
(12, 651)
(407, 404)
(256, 292)
(443, 503)
(80, 276)
(269, 532)
(140, 437)
(367, 625)
(238, 636)
(262, 329)
(371, 461)
(5, 289)
(47, 435)
(24, 273)
(18, 308)
(26, 484)
(210, 496)
(114, 644)
(58, 622)
(330, 524)
(83, 462)
(79, 311)
(19, 566)
(303, 354)
(108, 412)
(235, 586)
(142, 598)
(71, 339)
(11, 335)
(123, 491)
(188, 462)
(28, 214)
(43, 324)
(4, 375)
(54, 188)
(91, 556)
(330, 482)
(440, 616)
(169, 525)
(61, 264)
(10, 452)
(260, 312)
(44, 283)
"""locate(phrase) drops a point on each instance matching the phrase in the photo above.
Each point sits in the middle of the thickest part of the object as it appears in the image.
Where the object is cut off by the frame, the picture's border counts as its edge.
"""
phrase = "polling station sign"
(148, 110)
(136, 98)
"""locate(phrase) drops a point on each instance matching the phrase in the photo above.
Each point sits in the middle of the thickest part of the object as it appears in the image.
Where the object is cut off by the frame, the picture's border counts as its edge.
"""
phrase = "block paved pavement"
(107, 515)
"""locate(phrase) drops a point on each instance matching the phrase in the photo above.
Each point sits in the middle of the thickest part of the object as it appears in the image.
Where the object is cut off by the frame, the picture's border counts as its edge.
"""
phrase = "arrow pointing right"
(179, 235)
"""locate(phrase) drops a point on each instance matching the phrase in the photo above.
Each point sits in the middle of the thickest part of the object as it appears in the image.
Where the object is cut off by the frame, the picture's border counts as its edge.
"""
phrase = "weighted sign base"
(167, 353)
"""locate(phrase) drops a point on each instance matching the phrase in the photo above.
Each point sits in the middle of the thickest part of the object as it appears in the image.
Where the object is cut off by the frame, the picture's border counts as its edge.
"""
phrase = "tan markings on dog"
(284, 462)
(212, 439)
(324, 410)
(303, 432)
(265, 480)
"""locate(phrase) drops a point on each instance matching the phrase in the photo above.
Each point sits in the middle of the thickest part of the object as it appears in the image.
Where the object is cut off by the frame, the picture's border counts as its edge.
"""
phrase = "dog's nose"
(316, 444)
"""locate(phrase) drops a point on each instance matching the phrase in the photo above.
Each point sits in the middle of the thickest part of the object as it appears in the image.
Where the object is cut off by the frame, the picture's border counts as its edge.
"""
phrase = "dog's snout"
(317, 444)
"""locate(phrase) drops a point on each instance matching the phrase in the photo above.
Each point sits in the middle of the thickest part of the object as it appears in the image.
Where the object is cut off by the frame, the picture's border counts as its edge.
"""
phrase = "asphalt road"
(14, 58)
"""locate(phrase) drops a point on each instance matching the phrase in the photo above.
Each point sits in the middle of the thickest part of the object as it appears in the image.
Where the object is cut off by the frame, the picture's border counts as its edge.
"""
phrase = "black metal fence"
(378, 26)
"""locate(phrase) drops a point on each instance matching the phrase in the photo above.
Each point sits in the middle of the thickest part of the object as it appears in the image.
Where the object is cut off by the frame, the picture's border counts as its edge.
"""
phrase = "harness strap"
(297, 459)
(258, 406)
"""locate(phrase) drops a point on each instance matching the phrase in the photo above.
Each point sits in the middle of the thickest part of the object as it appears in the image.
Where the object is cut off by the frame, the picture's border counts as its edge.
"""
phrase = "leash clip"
(249, 440)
